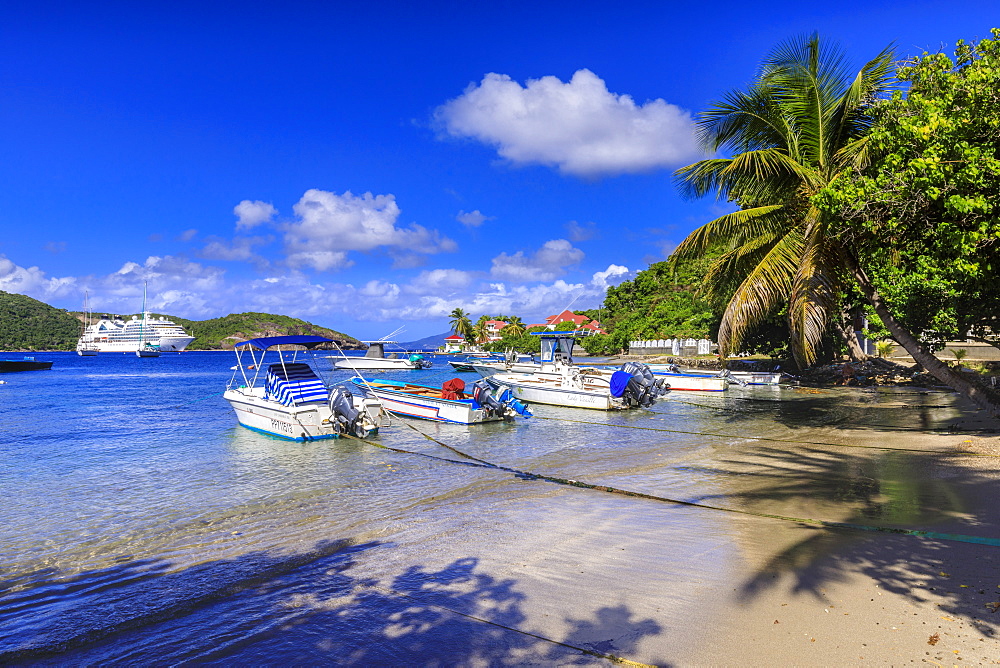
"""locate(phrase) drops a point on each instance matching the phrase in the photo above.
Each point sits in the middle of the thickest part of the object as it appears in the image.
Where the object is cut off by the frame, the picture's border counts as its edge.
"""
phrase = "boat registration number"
(278, 425)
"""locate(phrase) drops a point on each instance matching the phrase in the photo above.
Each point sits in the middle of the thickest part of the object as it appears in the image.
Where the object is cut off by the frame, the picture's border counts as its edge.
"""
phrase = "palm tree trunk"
(854, 350)
(981, 396)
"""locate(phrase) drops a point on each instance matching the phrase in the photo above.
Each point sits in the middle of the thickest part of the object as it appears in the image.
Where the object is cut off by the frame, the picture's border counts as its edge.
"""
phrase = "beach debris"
(993, 606)
(933, 640)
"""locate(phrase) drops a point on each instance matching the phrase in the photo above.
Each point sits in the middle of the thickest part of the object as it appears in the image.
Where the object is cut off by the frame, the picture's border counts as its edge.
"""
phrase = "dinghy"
(452, 402)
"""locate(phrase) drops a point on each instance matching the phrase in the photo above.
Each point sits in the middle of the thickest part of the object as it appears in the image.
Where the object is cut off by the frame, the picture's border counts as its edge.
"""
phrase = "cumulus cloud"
(32, 281)
(578, 126)
(544, 265)
(613, 275)
(251, 214)
(331, 225)
(472, 218)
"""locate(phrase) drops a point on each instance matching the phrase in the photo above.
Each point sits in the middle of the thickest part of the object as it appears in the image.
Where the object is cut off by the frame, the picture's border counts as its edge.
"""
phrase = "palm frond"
(727, 229)
(758, 295)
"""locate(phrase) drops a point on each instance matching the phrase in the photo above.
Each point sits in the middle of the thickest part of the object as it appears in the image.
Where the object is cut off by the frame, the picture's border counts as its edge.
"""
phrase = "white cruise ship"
(114, 335)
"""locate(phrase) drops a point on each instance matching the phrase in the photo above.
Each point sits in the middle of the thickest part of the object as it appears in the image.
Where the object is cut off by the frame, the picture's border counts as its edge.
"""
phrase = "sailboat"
(85, 348)
(146, 348)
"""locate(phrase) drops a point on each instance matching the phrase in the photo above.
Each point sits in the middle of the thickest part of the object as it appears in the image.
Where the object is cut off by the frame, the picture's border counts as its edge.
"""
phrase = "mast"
(142, 322)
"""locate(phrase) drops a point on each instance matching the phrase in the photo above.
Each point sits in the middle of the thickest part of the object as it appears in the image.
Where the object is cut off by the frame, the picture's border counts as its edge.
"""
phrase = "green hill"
(223, 333)
(27, 324)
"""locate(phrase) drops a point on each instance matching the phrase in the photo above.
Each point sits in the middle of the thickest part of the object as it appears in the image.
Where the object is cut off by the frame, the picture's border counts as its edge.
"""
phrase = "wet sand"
(818, 597)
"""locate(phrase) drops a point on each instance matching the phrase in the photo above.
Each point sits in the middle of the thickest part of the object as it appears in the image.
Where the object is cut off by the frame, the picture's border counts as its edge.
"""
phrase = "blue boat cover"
(619, 380)
(266, 342)
(292, 384)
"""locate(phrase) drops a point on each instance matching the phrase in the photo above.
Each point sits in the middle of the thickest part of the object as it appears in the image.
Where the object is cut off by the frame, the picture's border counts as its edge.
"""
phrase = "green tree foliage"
(460, 323)
(791, 132)
(660, 302)
(924, 216)
(921, 229)
(28, 324)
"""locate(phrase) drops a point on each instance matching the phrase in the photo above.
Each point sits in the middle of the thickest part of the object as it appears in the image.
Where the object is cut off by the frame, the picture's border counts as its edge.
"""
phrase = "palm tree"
(480, 332)
(460, 323)
(515, 326)
(794, 130)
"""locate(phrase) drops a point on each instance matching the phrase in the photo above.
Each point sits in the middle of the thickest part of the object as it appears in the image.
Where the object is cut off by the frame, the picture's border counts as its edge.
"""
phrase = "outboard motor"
(506, 406)
(347, 418)
(642, 387)
(419, 362)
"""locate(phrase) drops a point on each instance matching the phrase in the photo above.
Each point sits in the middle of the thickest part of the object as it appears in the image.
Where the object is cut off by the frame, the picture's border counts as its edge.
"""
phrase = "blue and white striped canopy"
(294, 383)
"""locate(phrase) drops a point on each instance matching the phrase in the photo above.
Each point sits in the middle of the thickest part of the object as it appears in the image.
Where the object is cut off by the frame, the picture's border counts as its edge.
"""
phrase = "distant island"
(27, 324)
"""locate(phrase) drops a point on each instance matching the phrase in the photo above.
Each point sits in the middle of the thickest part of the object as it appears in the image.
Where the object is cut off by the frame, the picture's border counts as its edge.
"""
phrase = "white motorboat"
(289, 399)
(448, 403)
(741, 378)
(375, 359)
(557, 381)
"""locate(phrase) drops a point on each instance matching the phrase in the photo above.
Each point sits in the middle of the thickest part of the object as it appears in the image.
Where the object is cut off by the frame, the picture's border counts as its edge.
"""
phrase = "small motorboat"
(555, 380)
(375, 359)
(288, 398)
(25, 364)
(452, 402)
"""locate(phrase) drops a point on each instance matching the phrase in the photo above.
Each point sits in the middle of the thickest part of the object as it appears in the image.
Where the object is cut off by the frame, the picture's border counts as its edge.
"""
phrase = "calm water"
(141, 524)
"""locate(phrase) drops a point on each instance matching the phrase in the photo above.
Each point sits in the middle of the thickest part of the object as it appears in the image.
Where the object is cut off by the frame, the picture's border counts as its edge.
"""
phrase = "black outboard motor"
(643, 387)
(482, 393)
(348, 418)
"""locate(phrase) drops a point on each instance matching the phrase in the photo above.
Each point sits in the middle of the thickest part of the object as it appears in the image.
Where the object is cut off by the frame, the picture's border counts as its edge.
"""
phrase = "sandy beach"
(816, 596)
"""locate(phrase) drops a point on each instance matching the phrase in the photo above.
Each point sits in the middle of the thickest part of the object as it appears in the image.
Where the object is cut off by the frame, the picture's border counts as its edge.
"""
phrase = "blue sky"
(371, 165)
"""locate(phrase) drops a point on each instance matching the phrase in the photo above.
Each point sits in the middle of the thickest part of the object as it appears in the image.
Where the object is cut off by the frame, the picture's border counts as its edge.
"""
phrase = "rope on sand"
(826, 524)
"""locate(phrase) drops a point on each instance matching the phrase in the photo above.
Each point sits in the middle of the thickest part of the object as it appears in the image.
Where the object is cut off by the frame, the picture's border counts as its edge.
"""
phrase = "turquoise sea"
(142, 525)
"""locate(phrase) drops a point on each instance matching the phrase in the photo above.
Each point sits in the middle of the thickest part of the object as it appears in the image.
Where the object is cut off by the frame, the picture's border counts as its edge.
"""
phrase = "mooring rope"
(765, 438)
(827, 524)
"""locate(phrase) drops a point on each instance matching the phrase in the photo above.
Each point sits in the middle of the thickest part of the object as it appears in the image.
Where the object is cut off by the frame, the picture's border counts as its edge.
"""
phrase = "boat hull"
(685, 382)
(551, 391)
(412, 401)
(12, 366)
(372, 363)
(296, 423)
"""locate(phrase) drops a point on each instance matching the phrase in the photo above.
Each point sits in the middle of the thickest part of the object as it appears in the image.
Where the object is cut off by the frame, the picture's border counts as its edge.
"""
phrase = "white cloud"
(438, 281)
(251, 214)
(581, 232)
(613, 275)
(32, 281)
(579, 126)
(239, 249)
(545, 265)
(331, 225)
(188, 235)
(472, 218)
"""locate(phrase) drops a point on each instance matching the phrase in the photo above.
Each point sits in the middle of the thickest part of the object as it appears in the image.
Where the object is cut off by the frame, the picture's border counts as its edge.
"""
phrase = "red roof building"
(582, 322)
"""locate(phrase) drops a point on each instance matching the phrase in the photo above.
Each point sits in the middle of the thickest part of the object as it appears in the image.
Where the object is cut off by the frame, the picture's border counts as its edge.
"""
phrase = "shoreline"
(823, 596)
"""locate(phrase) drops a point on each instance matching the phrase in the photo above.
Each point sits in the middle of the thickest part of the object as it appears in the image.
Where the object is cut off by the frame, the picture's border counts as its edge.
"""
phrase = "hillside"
(27, 324)
(222, 333)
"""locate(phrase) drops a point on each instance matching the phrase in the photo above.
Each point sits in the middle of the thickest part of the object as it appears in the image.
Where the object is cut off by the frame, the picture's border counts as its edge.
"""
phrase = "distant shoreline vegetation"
(28, 325)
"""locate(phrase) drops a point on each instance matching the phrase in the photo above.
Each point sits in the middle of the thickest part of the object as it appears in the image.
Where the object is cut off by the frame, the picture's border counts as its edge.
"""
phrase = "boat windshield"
(557, 348)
